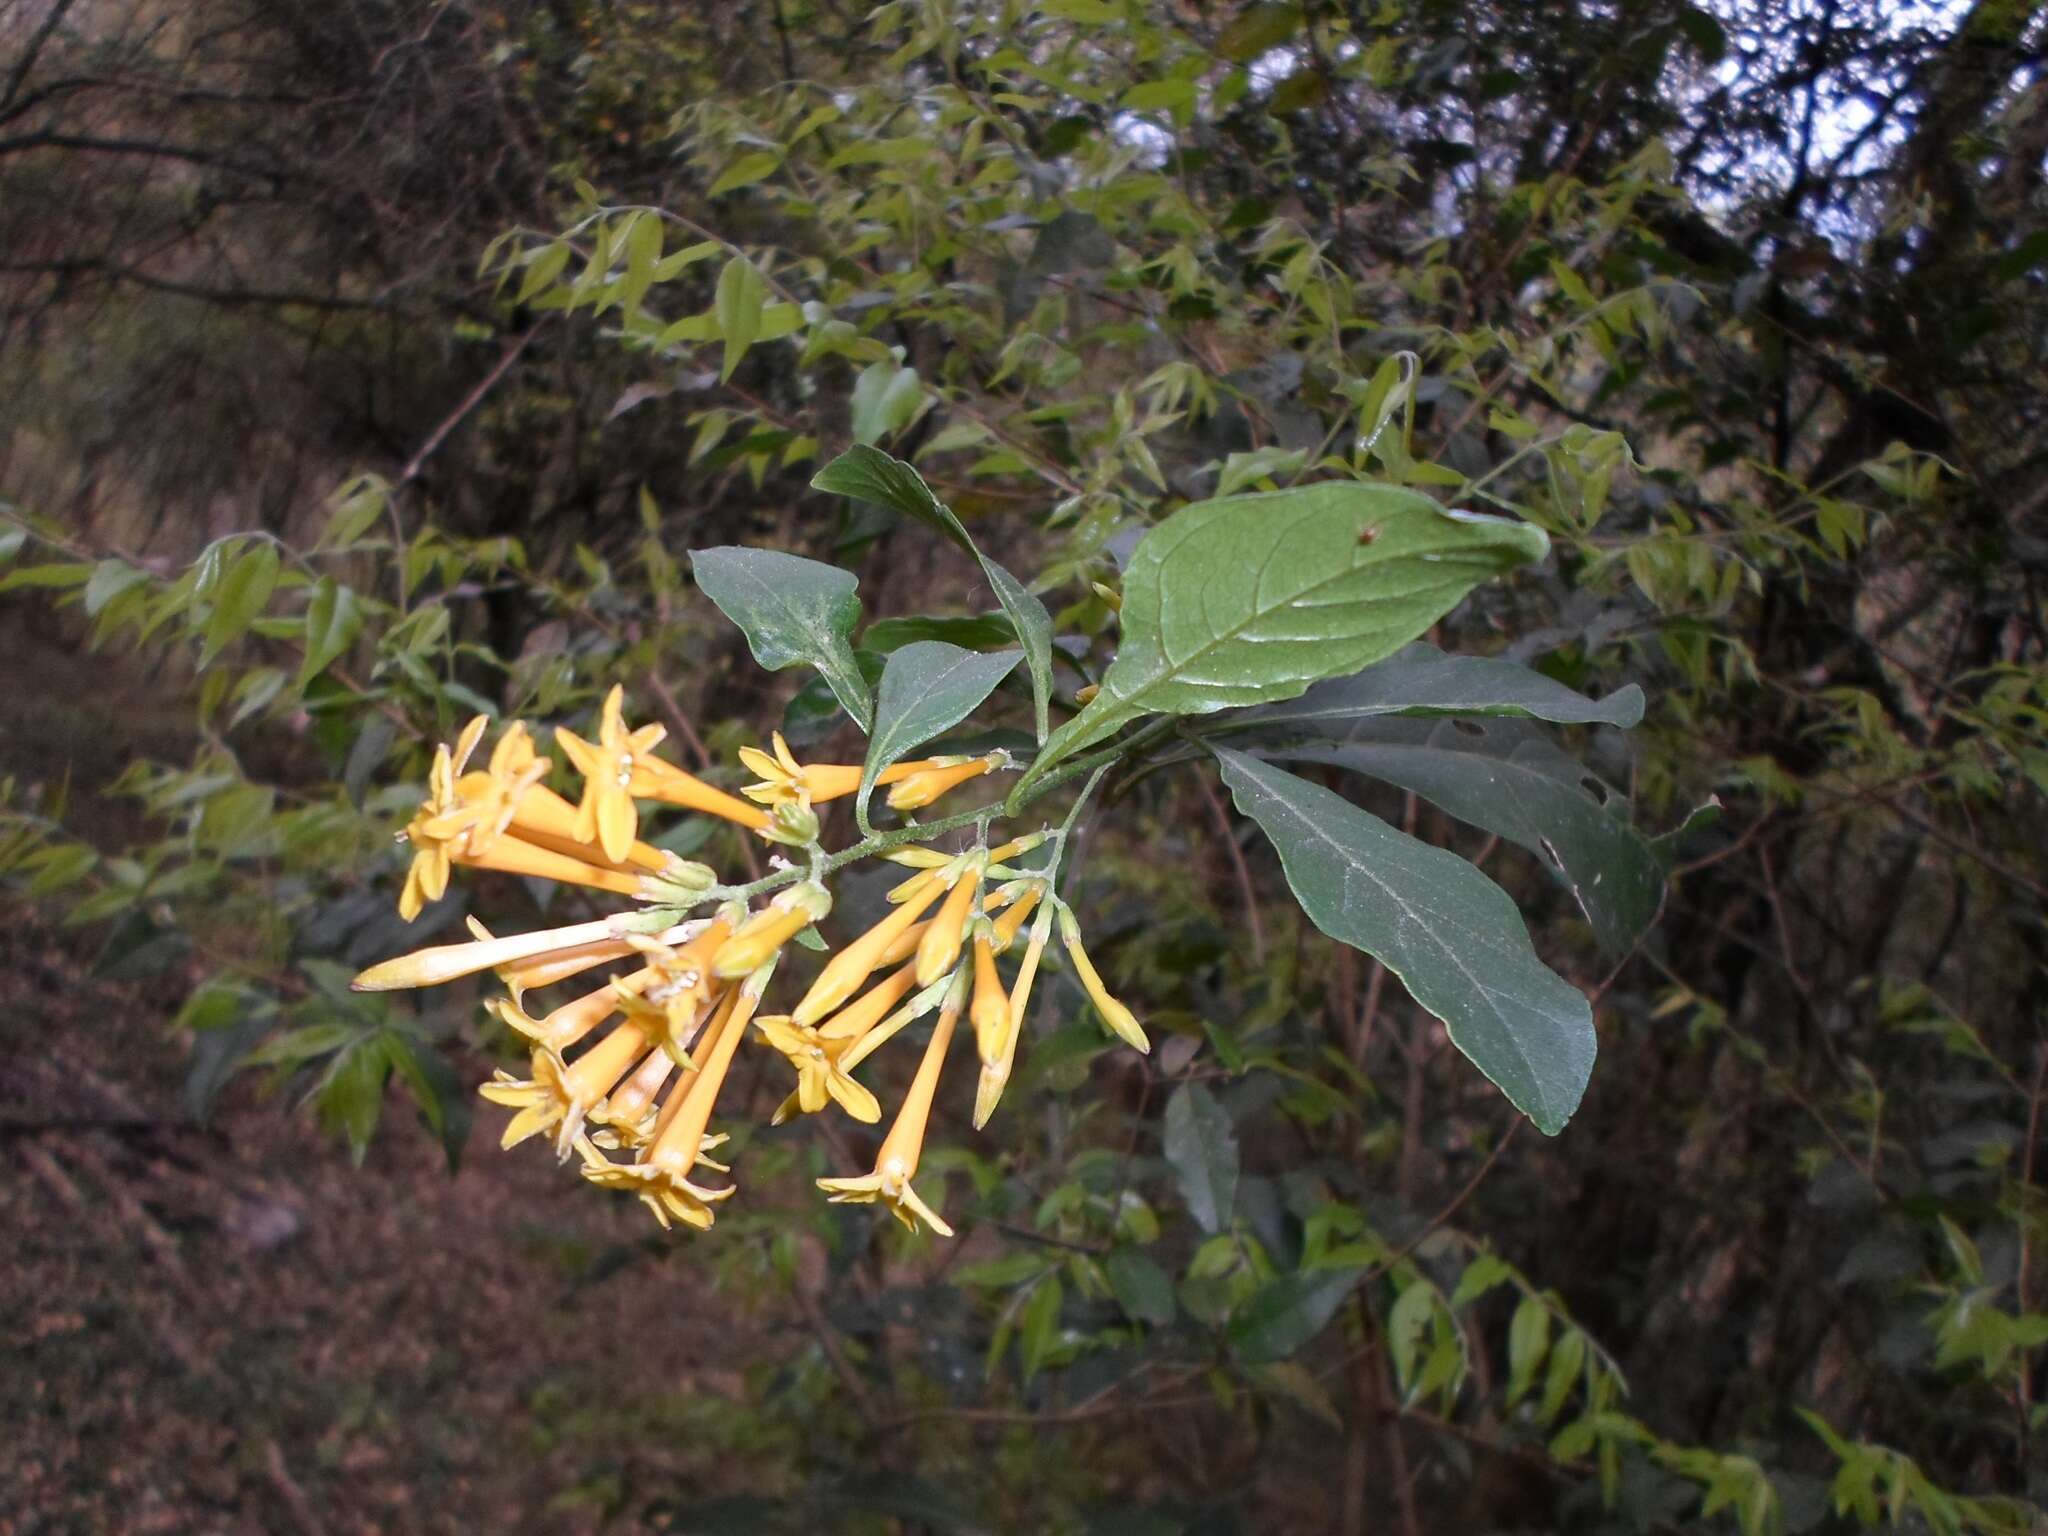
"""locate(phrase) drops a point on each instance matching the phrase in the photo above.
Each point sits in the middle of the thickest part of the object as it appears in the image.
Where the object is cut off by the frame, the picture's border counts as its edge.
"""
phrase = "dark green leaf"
(1201, 1148)
(813, 712)
(1419, 679)
(927, 687)
(1283, 1316)
(1451, 935)
(1250, 599)
(982, 633)
(366, 755)
(351, 1095)
(1510, 779)
(871, 475)
(792, 610)
(440, 1094)
(1143, 1289)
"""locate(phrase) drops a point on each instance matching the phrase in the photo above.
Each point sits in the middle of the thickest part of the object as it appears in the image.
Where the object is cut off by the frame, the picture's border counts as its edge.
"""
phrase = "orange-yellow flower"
(783, 778)
(440, 823)
(996, 1065)
(762, 936)
(606, 815)
(896, 1161)
(846, 971)
(661, 1178)
(940, 946)
(937, 776)
(819, 1075)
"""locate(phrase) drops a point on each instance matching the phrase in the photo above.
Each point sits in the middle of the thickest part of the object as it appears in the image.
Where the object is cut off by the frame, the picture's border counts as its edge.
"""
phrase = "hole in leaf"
(1469, 727)
(1595, 788)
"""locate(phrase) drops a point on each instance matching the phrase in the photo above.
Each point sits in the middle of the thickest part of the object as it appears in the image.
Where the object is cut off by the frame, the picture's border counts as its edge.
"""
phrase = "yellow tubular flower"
(990, 1012)
(561, 1097)
(896, 1162)
(628, 1113)
(446, 962)
(1007, 925)
(922, 787)
(819, 1075)
(762, 936)
(537, 815)
(606, 815)
(1121, 1021)
(655, 779)
(662, 1177)
(995, 1066)
(846, 971)
(783, 778)
(438, 824)
(857, 1018)
(940, 946)
(872, 1040)
(917, 856)
(516, 856)
(670, 995)
(559, 1030)
(905, 945)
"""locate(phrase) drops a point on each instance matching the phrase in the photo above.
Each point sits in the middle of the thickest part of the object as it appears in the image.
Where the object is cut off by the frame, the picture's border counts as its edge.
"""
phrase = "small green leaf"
(1528, 1338)
(110, 578)
(244, 592)
(333, 620)
(927, 687)
(1173, 94)
(885, 400)
(1039, 1329)
(792, 610)
(1451, 935)
(745, 171)
(1250, 599)
(742, 293)
(1282, 1317)
(1201, 1148)
(871, 475)
(351, 1094)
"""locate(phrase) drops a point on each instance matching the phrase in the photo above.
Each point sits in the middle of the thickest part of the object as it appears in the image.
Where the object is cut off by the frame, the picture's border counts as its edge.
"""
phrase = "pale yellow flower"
(996, 1065)
(896, 1161)
(445, 962)
(940, 947)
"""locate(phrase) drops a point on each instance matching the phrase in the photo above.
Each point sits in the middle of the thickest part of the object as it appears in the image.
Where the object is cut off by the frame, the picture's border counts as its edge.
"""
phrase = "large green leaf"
(1509, 778)
(243, 593)
(871, 475)
(1249, 599)
(927, 687)
(792, 610)
(333, 620)
(1419, 679)
(1451, 935)
(1284, 1315)
(1201, 1148)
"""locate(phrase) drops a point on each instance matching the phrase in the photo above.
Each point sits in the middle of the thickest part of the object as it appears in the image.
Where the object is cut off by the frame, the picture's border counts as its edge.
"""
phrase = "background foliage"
(1742, 303)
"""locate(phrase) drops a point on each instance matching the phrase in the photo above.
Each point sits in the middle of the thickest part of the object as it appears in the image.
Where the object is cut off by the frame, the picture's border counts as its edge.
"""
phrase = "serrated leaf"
(244, 591)
(791, 610)
(871, 475)
(333, 620)
(927, 687)
(1283, 1316)
(1201, 1148)
(1250, 599)
(1508, 778)
(1419, 679)
(742, 292)
(1451, 935)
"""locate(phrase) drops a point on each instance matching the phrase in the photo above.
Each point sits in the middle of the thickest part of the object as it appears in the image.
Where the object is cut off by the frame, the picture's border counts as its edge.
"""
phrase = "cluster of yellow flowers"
(626, 1076)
